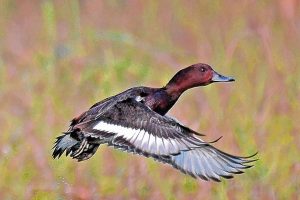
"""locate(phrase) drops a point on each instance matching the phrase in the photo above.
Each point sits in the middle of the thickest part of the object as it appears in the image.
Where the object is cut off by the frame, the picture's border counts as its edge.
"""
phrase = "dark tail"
(76, 145)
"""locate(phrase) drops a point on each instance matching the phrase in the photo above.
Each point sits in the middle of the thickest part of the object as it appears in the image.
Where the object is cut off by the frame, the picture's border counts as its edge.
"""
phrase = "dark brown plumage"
(135, 121)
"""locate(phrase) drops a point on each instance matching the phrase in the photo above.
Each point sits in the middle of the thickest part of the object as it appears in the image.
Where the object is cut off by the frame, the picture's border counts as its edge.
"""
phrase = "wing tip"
(228, 165)
(214, 141)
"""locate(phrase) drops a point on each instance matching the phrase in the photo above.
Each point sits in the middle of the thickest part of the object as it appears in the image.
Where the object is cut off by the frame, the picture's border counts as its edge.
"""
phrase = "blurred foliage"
(57, 58)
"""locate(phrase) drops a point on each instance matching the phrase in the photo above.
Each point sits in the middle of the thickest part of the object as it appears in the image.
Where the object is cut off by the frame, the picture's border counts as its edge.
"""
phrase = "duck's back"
(100, 107)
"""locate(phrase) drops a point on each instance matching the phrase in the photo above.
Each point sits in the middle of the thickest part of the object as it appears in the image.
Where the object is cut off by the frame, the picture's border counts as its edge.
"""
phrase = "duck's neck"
(164, 98)
(181, 82)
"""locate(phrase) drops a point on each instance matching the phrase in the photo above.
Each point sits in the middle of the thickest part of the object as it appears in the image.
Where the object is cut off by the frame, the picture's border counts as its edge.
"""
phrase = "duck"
(136, 121)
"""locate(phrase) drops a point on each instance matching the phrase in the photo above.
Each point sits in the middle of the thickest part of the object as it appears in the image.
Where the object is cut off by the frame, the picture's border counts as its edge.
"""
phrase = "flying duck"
(135, 121)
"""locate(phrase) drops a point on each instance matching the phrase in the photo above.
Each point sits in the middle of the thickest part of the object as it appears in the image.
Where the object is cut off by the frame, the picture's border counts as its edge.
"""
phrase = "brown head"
(193, 76)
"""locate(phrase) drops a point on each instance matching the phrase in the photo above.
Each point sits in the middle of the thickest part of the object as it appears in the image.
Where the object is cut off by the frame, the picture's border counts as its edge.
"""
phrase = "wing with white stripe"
(131, 126)
(143, 128)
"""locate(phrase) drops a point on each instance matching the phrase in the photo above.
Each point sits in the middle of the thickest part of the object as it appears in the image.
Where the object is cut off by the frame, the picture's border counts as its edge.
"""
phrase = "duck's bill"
(220, 78)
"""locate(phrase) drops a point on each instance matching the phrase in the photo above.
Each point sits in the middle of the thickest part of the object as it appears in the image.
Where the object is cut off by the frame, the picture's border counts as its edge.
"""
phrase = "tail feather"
(75, 145)
(63, 143)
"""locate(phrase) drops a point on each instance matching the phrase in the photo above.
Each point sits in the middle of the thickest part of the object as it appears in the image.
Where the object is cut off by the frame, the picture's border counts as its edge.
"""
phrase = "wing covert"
(142, 128)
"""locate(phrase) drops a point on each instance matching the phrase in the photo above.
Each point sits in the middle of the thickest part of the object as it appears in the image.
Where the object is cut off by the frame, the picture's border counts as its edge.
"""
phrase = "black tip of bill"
(220, 78)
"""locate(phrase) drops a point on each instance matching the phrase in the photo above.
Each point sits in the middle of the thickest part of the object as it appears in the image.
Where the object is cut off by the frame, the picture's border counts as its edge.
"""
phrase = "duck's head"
(195, 75)
(202, 74)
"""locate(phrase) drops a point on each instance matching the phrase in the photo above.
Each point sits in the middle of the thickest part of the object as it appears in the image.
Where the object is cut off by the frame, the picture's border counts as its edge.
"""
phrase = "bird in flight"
(135, 121)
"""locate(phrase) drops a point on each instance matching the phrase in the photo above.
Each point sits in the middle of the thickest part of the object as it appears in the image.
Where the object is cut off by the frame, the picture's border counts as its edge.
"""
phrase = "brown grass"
(59, 57)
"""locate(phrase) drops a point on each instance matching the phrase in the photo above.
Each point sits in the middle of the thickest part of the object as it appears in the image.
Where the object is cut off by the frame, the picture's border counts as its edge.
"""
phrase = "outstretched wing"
(133, 127)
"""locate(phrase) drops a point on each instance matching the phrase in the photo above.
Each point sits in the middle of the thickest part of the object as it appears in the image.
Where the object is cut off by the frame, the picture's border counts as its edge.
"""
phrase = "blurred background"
(57, 58)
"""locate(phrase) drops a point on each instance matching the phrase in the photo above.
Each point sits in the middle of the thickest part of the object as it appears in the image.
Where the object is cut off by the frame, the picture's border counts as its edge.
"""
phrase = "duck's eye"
(203, 69)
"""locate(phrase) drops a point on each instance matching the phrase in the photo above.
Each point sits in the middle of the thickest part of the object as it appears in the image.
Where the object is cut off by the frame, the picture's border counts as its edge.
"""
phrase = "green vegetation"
(57, 58)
